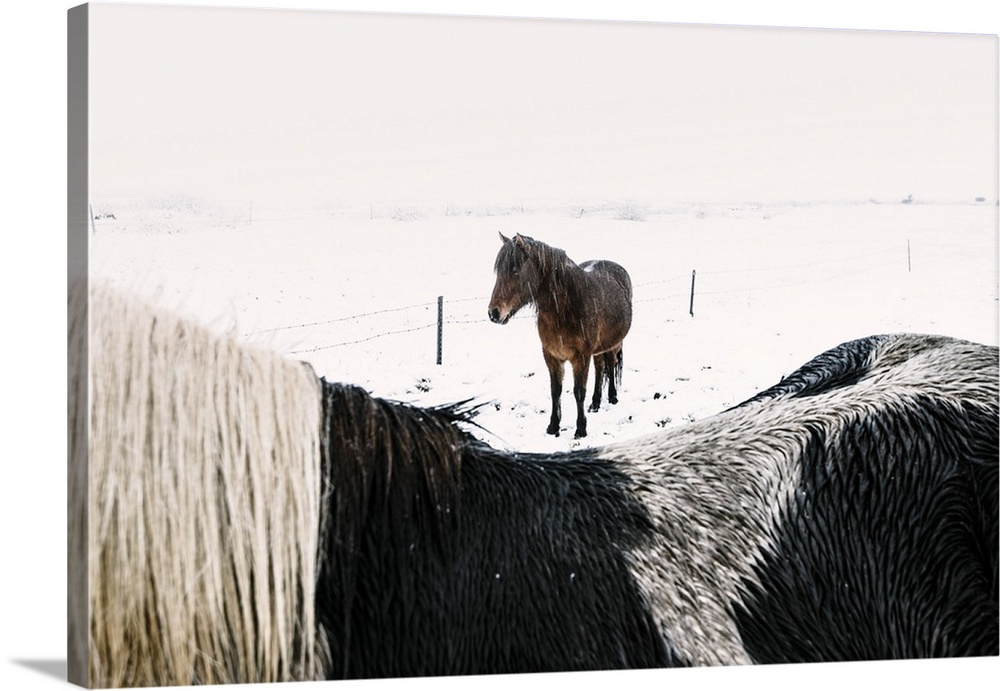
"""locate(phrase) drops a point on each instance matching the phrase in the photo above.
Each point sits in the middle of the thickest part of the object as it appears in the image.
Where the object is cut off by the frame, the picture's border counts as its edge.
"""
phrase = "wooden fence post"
(440, 326)
(691, 307)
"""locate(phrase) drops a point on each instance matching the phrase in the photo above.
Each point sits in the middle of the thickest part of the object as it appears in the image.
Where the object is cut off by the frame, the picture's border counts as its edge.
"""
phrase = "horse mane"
(513, 253)
(392, 478)
(391, 456)
(199, 447)
(838, 367)
(78, 420)
(888, 357)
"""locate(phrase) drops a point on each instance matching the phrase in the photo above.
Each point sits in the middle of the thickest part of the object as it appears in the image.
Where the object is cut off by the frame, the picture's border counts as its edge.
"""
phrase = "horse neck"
(560, 285)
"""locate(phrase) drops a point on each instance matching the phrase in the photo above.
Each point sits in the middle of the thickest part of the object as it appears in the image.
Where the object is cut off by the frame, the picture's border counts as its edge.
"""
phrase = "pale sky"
(328, 107)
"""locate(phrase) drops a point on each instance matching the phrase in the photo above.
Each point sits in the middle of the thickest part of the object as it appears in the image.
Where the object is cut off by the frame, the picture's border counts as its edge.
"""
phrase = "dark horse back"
(615, 271)
(617, 304)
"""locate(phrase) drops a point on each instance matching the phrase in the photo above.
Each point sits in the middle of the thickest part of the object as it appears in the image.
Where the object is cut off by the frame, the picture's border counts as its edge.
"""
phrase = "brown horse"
(584, 312)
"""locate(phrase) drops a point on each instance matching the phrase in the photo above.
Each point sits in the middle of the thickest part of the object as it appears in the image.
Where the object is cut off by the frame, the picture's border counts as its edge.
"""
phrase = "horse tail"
(203, 505)
(613, 366)
(619, 366)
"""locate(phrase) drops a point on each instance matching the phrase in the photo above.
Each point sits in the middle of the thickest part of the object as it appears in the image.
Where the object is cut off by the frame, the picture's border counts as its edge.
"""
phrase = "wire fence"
(439, 323)
(464, 311)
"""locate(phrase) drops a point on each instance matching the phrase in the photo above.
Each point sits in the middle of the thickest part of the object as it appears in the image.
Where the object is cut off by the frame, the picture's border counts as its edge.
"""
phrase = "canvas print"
(412, 345)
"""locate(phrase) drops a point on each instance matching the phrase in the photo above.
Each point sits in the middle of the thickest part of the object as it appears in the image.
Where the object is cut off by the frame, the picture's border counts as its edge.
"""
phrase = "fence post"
(440, 326)
(691, 307)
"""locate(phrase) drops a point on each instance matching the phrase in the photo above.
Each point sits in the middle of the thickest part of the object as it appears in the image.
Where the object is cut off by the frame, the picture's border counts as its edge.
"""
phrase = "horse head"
(518, 274)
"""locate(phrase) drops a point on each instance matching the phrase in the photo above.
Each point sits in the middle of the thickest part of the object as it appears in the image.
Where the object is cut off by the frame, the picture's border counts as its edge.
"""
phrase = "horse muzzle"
(496, 318)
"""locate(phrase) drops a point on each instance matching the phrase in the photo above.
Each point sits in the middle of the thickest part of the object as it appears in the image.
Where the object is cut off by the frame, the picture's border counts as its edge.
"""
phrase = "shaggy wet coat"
(249, 522)
(203, 512)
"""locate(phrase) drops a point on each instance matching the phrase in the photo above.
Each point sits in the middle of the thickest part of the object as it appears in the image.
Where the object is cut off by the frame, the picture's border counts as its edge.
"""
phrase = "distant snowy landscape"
(362, 165)
(353, 290)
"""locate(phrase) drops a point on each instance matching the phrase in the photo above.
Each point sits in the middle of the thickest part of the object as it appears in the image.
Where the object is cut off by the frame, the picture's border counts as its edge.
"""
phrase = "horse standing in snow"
(238, 519)
(584, 312)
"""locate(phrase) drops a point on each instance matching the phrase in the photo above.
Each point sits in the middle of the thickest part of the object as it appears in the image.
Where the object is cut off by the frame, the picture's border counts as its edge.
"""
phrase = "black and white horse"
(251, 522)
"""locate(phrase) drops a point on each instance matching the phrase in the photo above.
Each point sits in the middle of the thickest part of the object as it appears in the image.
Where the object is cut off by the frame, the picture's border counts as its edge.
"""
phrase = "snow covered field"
(354, 292)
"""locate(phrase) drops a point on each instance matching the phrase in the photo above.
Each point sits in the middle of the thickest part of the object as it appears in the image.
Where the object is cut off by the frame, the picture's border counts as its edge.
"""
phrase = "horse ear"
(521, 241)
(504, 239)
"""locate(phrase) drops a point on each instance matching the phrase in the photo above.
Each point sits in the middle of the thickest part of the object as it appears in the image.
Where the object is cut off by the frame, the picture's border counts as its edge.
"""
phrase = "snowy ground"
(354, 292)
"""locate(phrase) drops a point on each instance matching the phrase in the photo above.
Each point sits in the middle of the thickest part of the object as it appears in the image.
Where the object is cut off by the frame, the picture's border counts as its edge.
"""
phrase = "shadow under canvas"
(50, 668)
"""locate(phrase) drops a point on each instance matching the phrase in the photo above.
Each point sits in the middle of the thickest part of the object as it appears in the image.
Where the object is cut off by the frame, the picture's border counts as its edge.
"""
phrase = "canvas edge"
(77, 665)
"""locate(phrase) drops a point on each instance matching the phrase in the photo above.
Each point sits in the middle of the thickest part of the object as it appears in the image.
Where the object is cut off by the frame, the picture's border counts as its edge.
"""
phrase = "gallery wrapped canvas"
(302, 447)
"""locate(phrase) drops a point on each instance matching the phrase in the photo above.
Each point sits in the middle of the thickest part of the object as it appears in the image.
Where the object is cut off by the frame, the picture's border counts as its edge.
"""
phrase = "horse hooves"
(613, 401)
(580, 434)
(554, 432)
(594, 408)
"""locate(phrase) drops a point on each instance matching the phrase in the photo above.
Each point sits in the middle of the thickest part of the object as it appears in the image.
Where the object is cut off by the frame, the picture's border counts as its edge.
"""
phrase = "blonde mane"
(204, 504)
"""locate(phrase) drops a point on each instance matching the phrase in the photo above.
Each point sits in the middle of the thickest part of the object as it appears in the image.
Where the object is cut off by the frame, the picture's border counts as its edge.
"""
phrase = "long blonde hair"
(204, 486)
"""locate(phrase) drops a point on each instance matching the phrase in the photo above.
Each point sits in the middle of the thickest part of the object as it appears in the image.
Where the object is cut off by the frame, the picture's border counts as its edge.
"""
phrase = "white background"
(32, 608)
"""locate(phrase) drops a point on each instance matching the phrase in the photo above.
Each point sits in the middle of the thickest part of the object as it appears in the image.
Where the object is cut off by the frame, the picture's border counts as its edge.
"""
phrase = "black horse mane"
(848, 363)
(360, 428)
(389, 459)
(514, 253)
(839, 367)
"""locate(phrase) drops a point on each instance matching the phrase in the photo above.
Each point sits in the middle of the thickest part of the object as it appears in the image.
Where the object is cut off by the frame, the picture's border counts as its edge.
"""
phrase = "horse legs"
(556, 383)
(608, 366)
(581, 368)
(615, 364)
(595, 403)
